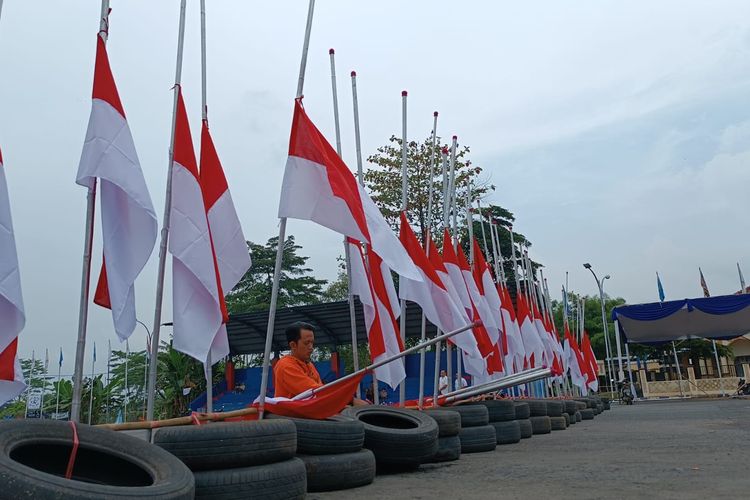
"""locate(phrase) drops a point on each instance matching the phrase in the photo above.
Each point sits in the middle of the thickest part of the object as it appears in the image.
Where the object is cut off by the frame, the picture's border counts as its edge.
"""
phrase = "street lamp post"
(608, 364)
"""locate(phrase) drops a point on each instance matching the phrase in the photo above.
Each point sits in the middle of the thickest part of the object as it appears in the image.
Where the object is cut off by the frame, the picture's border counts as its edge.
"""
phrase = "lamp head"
(607, 277)
(587, 265)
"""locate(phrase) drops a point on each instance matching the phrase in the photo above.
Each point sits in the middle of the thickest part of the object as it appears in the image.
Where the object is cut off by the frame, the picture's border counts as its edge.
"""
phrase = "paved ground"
(664, 449)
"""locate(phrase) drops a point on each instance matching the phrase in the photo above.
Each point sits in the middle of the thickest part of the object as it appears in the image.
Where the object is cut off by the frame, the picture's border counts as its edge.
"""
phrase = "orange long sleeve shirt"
(292, 376)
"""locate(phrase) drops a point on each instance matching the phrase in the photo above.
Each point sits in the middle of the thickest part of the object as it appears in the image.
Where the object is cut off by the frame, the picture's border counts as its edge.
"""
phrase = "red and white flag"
(227, 239)
(485, 284)
(590, 358)
(196, 299)
(515, 352)
(532, 343)
(544, 336)
(381, 308)
(318, 186)
(129, 225)
(575, 362)
(12, 315)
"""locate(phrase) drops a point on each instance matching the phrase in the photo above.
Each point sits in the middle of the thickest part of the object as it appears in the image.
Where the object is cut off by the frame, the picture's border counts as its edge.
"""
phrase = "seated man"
(295, 373)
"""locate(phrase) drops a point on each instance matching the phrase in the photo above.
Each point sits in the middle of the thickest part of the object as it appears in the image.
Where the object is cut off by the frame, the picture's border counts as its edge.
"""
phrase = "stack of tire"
(522, 417)
(400, 439)
(476, 434)
(605, 402)
(502, 416)
(540, 421)
(570, 411)
(332, 452)
(585, 409)
(239, 459)
(449, 426)
(555, 409)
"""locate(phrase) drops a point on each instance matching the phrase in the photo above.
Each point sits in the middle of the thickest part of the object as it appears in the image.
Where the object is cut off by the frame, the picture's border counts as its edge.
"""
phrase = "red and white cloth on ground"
(228, 241)
(12, 315)
(196, 300)
(590, 358)
(381, 308)
(318, 186)
(129, 225)
(532, 343)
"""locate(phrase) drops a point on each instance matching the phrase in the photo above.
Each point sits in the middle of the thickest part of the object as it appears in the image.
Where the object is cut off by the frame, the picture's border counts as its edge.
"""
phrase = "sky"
(618, 133)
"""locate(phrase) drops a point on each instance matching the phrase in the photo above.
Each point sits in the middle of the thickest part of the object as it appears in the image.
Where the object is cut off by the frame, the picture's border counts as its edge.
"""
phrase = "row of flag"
(703, 284)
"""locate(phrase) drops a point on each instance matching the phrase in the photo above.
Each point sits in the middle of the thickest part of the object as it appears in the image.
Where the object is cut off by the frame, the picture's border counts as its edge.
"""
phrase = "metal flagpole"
(91, 398)
(127, 386)
(109, 360)
(423, 333)
(515, 262)
(743, 288)
(59, 378)
(627, 354)
(404, 204)
(208, 364)
(151, 390)
(31, 380)
(347, 253)
(677, 366)
(44, 381)
(83, 308)
(446, 204)
(718, 368)
(282, 233)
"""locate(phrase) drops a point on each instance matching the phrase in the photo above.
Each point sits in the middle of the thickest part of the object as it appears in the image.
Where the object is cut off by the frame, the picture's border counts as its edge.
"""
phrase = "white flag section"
(12, 316)
(516, 352)
(129, 225)
(318, 186)
(229, 245)
(532, 344)
(381, 308)
(572, 362)
(196, 305)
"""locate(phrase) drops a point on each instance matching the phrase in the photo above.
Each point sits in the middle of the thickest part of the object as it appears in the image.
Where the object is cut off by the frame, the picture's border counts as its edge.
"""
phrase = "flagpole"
(438, 346)
(451, 208)
(83, 308)
(31, 380)
(109, 360)
(347, 253)
(127, 386)
(423, 333)
(743, 288)
(91, 397)
(677, 367)
(151, 390)
(282, 233)
(208, 364)
(59, 378)
(630, 371)
(514, 261)
(404, 204)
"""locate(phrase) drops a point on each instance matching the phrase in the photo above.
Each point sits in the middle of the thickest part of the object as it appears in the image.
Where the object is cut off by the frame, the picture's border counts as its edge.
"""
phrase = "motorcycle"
(626, 395)
(743, 388)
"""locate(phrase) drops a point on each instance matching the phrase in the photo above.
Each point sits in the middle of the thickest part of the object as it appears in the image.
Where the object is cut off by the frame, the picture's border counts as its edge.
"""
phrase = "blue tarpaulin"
(722, 317)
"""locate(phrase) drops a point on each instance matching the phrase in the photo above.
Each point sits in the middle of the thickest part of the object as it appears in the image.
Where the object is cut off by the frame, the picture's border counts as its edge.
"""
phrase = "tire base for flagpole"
(340, 471)
(282, 480)
(335, 435)
(526, 428)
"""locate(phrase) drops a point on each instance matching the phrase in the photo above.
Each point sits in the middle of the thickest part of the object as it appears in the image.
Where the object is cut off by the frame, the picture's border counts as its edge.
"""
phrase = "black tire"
(478, 439)
(599, 408)
(570, 408)
(449, 449)
(472, 415)
(336, 434)
(499, 410)
(579, 417)
(281, 480)
(555, 408)
(557, 423)
(541, 425)
(526, 428)
(230, 444)
(522, 410)
(108, 464)
(537, 408)
(339, 472)
(396, 436)
(449, 422)
(587, 414)
(569, 420)
(607, 406)
(507, 432)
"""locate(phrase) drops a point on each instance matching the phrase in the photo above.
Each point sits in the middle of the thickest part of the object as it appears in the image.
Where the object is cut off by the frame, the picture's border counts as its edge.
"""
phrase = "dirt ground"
(664, 449)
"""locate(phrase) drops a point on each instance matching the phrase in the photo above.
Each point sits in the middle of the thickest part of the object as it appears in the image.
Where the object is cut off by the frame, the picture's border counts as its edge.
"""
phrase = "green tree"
(297, 285)
(337, 289)
(384, 182)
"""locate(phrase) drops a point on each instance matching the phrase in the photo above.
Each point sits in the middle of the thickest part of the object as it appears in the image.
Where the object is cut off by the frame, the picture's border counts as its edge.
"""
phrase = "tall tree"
(297, 285)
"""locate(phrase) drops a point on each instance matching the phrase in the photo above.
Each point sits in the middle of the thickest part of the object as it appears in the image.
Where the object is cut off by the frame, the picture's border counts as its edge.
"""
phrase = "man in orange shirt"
(295, 373)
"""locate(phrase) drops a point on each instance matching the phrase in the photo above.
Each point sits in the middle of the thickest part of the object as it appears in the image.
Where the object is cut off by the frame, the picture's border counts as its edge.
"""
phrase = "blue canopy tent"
(720, 318)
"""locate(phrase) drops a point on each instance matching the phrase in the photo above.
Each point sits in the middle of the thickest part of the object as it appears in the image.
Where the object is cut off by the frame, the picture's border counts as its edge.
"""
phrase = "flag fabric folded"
(318, 186)
(381, 308)
(515, 353)
(227, 240)
(544, 336)
(483, 285)
(590, 359)
(129, 225)
(532, 343)
(196, 305)
(12, 315)
(576, 365)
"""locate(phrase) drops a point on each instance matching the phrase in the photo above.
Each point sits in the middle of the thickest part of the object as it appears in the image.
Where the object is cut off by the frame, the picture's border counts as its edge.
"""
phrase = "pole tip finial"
(354, 73)
(435, 113)
(404, 93)
(331, 51)
(455, 137)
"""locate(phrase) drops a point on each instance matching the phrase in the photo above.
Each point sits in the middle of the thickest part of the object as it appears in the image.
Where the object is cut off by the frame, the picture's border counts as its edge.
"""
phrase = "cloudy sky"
(617, 132)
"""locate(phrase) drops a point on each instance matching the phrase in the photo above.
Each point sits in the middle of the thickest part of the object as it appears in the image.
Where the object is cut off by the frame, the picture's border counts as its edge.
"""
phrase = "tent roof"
(721, 317)
(247, 331)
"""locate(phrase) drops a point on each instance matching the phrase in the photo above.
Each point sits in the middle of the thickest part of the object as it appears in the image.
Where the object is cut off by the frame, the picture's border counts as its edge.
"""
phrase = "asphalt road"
(662, 449)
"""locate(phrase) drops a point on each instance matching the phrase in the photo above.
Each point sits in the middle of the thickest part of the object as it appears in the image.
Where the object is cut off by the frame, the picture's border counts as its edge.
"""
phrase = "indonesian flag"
(129, 224)
(544, 336)
(318, 186)
(481, 283)
(196, 299)
(588, 355)
(12, 316)
(532, 343)
(515, 352)
(381, 308)
(575, 362)
(228, 241)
